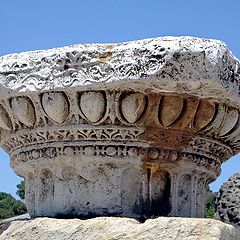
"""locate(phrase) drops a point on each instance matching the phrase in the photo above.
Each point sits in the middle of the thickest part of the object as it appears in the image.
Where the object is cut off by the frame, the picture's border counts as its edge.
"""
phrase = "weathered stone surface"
(202, 67)
(119, 229)
(135, 129)
(228, 201)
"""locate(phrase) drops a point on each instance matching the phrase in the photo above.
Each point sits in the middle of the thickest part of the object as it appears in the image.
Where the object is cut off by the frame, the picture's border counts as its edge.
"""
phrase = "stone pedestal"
(113, 228)
(137, 129)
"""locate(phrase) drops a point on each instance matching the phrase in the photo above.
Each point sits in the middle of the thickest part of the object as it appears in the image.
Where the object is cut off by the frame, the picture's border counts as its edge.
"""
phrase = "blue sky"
(30, 25)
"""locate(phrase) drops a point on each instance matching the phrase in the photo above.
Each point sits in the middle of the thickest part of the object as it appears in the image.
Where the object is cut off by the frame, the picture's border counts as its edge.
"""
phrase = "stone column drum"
(137, 129)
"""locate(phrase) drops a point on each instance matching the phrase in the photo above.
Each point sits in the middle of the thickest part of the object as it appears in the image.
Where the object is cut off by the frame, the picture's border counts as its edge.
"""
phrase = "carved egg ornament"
(230, 121)
(204, 114)
(93, 105)
(24, 110)
(5, 121)
(170, 110)
(133, 106)
(56, 106)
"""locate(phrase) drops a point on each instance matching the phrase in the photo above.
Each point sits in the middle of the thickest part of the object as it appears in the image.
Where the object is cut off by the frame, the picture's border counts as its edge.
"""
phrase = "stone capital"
(134, 129)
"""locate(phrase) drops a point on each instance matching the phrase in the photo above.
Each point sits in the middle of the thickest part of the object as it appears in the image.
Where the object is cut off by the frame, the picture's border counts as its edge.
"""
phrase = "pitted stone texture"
(136, 129)
(201, 67)
(228, 201)
(119, 229)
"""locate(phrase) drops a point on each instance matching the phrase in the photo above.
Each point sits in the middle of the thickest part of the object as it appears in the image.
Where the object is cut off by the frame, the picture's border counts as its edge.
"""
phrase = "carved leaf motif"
(56, 106)
(133, 106)
(24, 110)
(204, 114)
(93, 105)
(229, 122)
(171, 109)
(5, 121)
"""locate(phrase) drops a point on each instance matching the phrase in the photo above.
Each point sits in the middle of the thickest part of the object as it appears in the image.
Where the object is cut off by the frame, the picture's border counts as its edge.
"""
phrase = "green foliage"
(210, 208)
(21, 190)
(10, 207)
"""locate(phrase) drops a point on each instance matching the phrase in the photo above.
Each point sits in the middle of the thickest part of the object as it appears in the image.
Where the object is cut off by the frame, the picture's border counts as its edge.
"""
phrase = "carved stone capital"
(135, 129)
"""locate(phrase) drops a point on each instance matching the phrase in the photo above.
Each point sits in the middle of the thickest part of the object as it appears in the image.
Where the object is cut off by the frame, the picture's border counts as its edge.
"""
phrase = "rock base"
(109, 228)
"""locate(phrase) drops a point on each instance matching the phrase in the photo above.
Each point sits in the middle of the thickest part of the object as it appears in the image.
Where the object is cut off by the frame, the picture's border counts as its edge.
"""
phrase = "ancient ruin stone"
(137, 129)
(228, 201)
(116, 228)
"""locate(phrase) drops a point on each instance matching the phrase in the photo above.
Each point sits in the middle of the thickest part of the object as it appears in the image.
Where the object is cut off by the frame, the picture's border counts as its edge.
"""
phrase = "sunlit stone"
(136, 129)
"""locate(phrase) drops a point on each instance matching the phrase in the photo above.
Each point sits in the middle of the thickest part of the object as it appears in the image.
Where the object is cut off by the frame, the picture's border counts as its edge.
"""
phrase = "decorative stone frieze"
(136, 129)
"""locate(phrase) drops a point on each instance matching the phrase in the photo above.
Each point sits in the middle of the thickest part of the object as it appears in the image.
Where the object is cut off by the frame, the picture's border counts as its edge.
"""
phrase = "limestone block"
(228, 201)
(135, 129)
(119, 229)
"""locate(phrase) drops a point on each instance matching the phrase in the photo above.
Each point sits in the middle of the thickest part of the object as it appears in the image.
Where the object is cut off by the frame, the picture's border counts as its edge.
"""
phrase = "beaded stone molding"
(136, 129)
